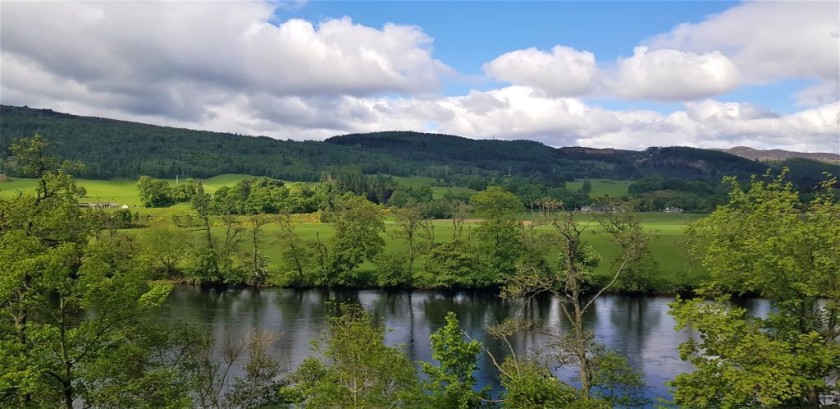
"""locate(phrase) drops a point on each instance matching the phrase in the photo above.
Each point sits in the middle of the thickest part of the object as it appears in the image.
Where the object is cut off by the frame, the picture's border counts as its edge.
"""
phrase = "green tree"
(530, 385)
(184, 192)
(451, 383)
(451, 265)
(356, 240)
(500, 232)
(154, 192)
(574, 281)
(765, 242)
(494, 202)
(167, 249)
(411, 222)
(257, 260)
(298, 259)
(363, 372)
(71, 296)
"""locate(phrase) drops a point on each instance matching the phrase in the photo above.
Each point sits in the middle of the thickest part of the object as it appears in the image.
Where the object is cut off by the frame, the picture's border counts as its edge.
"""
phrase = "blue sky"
(467, 34)
(600, 74)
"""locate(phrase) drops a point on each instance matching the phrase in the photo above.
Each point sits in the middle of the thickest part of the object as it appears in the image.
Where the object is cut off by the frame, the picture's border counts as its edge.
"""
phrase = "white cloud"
(821, 93)
(518, 112)
(176, 59)
(563, 72)
(226, 67)
(768, 40)
(673, 75)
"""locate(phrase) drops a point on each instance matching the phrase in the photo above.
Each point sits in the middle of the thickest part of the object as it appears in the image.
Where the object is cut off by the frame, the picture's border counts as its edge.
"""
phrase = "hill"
(121, 149)
(775, 155)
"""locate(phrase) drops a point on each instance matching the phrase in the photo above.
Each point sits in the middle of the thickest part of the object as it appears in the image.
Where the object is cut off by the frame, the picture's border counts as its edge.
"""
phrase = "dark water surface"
(636, 327)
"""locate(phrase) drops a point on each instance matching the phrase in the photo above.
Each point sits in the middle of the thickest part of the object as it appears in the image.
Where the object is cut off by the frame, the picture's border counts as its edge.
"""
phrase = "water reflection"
(637, 327)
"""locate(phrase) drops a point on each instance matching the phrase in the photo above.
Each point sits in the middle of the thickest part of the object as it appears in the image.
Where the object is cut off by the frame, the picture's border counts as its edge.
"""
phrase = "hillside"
(120, 149)
(775, 155)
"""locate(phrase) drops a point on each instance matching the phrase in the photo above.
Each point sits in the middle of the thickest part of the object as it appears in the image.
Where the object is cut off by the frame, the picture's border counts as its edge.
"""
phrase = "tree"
(258, 261)
(451, 383)
(765, 242)
(452, 265)
(574, 281)
(494, 202)
(298, 258)
(363, 372)
(500, 233)
(411, 221)
(167, 248)
(184, 192)
(357, 228)
(71, 296)
(154, 192)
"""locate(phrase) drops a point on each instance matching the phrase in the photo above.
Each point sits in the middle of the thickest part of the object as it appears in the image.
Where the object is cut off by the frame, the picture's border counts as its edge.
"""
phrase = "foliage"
(264, 195)
(572, 280)
(451, 383)
(737, 363)
(764, 242)
(452, 265)
(529, 385)
(154, 192)
(361, 371)
(450, 160)
(167, 249)
(392, 271)
(71, 295)
(404, 195)
(356, 239)
(495, 203)
(412, 224)
(616, 382)
(499, 235)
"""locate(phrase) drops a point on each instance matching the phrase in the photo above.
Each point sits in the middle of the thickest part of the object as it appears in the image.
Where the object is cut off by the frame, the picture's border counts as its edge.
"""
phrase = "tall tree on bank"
(574, 280)
(356, 240)
(71, 297)
(499, 234)
(764, 242)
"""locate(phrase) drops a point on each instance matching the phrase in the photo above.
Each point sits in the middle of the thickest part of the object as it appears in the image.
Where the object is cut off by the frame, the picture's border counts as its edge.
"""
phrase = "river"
(636, 327)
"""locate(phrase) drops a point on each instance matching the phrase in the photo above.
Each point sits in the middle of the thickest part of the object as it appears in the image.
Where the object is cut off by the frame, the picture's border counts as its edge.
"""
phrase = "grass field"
(665, 230)
(603, 187)
(438, 192)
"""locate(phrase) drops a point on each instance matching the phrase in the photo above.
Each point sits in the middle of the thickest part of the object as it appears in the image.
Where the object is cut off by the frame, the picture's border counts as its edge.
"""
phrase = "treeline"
(658, 193)
(110, 149)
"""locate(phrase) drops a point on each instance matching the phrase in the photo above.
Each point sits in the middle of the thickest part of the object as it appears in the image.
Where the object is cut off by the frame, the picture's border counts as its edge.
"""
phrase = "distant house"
(670, 209)
(585, 209)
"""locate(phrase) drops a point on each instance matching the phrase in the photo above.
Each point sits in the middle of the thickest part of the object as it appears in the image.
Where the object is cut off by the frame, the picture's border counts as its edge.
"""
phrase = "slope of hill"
(120, 149)
(775, 155)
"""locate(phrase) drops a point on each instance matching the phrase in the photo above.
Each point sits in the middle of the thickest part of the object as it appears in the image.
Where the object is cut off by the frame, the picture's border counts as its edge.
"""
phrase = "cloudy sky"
(601, 74)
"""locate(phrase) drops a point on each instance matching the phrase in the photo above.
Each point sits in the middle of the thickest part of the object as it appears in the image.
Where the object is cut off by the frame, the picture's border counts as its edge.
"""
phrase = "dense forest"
(119, 149)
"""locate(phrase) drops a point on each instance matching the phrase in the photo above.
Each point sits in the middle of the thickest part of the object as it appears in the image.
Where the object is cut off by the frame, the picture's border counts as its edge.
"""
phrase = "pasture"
(665, 230)
(602, 187)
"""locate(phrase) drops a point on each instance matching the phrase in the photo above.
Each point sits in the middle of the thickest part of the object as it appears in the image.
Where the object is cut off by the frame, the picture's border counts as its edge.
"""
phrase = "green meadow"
(602, 187)
(665, 230)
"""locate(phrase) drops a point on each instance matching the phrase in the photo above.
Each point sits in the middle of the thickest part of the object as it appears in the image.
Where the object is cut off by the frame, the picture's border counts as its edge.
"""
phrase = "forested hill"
(120, 149)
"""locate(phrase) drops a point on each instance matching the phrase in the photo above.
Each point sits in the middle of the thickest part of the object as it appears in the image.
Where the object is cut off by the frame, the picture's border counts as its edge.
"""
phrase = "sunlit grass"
(602, 187)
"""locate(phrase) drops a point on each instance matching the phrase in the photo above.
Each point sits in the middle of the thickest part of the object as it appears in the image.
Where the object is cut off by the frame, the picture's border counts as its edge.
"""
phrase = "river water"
(636, 327)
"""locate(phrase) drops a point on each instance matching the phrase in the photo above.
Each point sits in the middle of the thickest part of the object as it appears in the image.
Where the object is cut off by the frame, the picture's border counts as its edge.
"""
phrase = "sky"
(623, 74)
